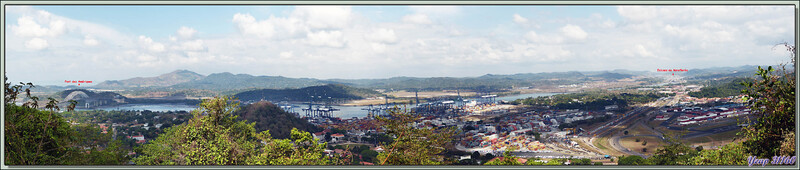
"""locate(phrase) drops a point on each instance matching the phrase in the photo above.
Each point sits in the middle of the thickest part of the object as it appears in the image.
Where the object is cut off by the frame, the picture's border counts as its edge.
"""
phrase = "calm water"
(350, 112)
(151, 107)
(344, 112)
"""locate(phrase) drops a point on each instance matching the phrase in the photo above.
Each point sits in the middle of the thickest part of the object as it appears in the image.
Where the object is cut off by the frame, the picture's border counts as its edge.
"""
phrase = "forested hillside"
(722, 88)
(334, 91)
(268, 116)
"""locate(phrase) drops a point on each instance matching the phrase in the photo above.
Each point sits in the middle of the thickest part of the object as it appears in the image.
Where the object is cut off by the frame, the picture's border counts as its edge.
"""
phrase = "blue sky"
(158, 20)
(118, 42)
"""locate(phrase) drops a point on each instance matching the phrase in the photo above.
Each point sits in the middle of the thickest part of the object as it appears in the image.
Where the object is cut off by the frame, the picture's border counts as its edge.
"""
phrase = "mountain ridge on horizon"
(186, 79)
(584, 72)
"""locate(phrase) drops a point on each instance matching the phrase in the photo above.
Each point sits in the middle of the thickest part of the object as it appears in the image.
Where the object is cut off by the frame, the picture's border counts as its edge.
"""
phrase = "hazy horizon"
(611, 70)
(49, 44)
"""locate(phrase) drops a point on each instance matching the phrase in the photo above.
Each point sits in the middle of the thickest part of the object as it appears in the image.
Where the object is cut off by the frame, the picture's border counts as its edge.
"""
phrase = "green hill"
(334, 91)
(268, 116)
(227, 81)
(168, 79)
(722, 88)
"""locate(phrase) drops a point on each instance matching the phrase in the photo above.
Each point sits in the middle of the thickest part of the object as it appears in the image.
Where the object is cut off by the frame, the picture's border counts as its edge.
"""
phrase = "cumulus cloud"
(303, 19)
(36, 44)
(321, 17)
(326, 38)
(247, 24)
(340, 42)
(519, 19)
(28, 26)
(194, 45)
(574, 32)
(417, 19)
(149, 44)
(186, 32)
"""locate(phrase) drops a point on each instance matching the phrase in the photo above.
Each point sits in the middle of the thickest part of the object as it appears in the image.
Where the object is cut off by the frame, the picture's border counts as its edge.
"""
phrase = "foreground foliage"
(412, 146)
(730, 154)
(507, 159)
(773, 102)
(42, 137)
(214, 137)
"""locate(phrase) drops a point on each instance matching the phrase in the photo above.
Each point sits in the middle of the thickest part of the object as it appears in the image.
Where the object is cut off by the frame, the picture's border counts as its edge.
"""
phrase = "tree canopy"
(214, 137)
(42, 137)
(413, 146)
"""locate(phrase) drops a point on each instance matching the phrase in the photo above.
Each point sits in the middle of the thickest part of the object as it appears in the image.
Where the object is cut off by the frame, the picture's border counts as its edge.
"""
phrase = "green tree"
(37, 137)
(555, 162)
(302, 149)
(675, 153)
(369, 155)
(214, 137)
(730, 154)
(534, 162)
(632, 160)
(412, 146)
(102, 149)
(772, 99)
(507, 159)
(34, 137)
(268, 116)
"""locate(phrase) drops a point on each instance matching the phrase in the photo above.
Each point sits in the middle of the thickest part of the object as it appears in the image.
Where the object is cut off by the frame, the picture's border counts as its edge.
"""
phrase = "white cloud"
(273, 27)
(90, 40)
(36, 44)
(301, 20)
(326, 38)
(383, 35)
(378, 47)
(149, 44)
(194, 45)
(608, 24)
(427, 41)
(417, 19)
(574, 32)
(441, 11)
(186, 32)
(147, 57)
(519, 19)
(546, 38)
(640, 50)
(28, 26)
(247, 25)
(322, 17)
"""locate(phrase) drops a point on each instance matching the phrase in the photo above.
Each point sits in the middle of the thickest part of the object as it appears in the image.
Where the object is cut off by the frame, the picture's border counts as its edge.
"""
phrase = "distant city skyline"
(50, 44)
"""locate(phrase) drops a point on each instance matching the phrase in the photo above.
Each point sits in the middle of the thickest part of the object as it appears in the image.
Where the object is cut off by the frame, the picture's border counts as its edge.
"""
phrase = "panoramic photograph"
(583, 86)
